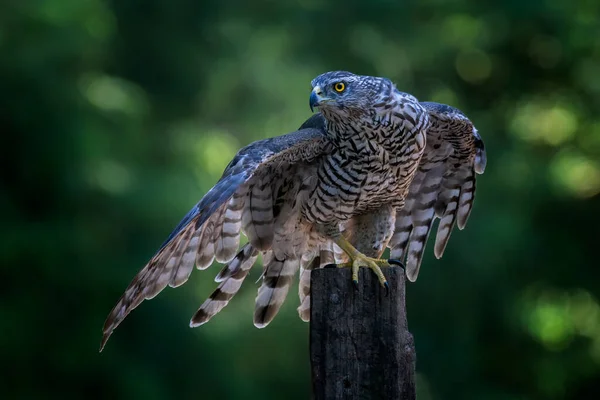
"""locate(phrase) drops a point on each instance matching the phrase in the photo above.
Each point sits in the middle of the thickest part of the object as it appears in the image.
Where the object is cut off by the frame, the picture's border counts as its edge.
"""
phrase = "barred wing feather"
(443, 186)
(244, 199)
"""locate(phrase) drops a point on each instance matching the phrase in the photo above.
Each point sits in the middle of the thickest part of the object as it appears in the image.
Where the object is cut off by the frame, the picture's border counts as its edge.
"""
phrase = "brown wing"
(443, 186)
(211, 230)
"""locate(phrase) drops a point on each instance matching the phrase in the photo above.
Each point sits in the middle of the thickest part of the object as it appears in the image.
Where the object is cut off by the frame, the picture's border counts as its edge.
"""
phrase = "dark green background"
(117, 116)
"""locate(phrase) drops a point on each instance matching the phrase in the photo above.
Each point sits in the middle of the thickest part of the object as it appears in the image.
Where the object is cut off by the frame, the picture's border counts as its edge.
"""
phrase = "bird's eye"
(339, 87)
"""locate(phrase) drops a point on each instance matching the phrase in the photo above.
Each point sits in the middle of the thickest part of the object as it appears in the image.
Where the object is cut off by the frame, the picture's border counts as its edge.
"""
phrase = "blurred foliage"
(117, 116)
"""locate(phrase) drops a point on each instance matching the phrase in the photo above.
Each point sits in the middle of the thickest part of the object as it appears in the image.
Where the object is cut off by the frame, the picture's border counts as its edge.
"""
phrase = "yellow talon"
(357, 260)
(367, 262)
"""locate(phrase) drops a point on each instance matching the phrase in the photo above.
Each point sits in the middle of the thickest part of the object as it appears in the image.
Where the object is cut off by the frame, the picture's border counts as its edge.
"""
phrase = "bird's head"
(344, 93)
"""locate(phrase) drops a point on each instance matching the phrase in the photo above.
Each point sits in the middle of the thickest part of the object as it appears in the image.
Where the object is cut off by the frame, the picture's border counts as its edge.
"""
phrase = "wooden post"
(360, 347)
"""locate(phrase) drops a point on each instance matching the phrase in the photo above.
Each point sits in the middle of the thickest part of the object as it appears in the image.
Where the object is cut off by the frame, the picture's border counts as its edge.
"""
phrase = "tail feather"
(325, 257)
(306, 267)
(273, 291)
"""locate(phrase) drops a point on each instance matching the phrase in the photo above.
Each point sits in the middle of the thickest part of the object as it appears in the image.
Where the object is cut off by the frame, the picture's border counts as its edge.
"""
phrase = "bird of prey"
(372, 169)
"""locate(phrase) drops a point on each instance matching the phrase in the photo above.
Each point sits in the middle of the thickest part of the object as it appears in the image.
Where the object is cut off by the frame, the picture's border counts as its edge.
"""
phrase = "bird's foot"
(374, 264)
(358, 260)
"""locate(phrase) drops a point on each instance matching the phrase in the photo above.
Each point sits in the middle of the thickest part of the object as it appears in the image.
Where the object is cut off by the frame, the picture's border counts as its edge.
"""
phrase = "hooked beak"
(316, 98)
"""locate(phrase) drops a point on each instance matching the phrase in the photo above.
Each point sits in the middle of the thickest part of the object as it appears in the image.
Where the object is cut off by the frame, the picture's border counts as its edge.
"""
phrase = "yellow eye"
(339, 87)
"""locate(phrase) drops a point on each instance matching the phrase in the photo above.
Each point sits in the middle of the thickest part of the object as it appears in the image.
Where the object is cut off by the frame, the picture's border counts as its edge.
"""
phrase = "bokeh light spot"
(537, 122)
(576, 174)
(462, 31)
(554, 318)
(473, 66)
(215, 150)
(547, 320)
(113, 94)
(110, 176)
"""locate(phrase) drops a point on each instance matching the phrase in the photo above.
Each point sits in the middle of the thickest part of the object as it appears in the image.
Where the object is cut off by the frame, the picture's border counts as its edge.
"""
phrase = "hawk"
(372, 169)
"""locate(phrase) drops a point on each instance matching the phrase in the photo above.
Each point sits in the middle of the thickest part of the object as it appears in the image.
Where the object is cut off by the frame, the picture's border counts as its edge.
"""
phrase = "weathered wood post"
(360, 347)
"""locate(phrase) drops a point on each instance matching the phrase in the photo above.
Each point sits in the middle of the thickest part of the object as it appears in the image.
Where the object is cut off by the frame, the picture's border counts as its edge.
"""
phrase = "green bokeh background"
(117, 116)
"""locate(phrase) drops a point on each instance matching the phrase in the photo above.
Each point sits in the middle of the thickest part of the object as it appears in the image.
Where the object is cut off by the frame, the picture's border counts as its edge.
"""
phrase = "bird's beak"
(316, 98)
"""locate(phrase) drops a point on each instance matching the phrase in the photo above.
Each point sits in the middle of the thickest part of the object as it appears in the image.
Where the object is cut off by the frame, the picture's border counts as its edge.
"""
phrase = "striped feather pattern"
(291, 194)
(276, 280)
(443, 187)
(228, 240)
(306, 267)
(257, 214)
(185, 265)
(325, 257)
(206, 251)
(163, 269)
(212, 228)
(454, 206)
(414, 221)
(230, 284)
(376, 157)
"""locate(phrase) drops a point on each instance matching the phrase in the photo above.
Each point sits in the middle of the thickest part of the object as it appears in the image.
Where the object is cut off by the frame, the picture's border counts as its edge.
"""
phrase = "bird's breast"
(348, 185)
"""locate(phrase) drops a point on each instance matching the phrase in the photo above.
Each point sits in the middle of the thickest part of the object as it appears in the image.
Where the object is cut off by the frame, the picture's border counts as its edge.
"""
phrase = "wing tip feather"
(196, 323)
(105, 338)
(412, 273)
(440, 243)
(261, 324)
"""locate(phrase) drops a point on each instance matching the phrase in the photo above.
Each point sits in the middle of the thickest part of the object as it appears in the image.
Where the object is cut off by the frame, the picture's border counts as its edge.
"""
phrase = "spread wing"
(443, 186)
(244, 199)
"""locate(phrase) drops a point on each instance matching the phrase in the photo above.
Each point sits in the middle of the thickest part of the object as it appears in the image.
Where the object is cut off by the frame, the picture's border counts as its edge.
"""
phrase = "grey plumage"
(443, 187)
(375, 166)
(231, 278)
